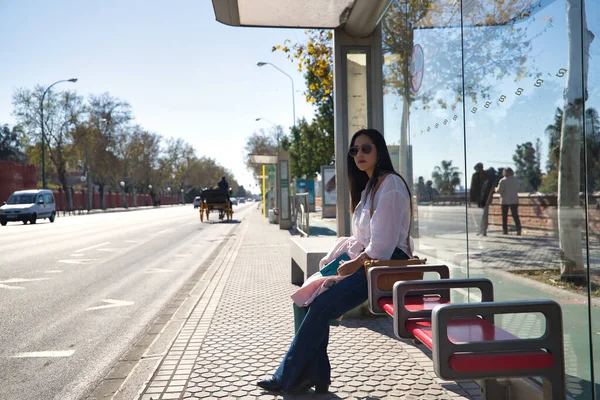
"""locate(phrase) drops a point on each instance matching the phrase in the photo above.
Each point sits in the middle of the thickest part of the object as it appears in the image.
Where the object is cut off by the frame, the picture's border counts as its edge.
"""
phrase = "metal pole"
(264, 191)
(43, 143)
(260, 64)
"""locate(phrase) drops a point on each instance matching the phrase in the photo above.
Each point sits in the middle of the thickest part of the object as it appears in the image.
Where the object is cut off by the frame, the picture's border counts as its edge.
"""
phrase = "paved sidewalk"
(243, 324)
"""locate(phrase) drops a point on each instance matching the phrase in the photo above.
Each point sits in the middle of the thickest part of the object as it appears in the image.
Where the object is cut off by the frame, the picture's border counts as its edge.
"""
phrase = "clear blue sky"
(184, 74)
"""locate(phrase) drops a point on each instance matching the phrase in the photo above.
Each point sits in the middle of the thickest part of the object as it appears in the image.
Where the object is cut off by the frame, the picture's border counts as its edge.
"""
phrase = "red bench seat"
(468, 330)
(412, 303)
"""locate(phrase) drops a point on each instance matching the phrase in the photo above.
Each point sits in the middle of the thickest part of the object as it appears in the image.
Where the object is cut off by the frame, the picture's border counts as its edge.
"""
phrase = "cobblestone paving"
(240, 334)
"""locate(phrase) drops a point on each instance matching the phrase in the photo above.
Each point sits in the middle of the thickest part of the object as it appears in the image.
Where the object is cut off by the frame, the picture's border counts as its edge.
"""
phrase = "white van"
(28, 206)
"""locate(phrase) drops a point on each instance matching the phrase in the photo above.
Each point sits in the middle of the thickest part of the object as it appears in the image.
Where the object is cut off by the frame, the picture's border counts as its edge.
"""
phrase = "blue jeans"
(307, 358)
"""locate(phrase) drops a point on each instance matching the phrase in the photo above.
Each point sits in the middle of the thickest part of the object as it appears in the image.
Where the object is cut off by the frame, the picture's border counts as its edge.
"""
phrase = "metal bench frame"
(443, 349)
(375, 272)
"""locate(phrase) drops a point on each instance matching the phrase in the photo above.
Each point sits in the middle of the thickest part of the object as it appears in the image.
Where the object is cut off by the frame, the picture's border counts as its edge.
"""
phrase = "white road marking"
(158, 271)
(80, 261)
(92, 247)
(134, 241)
(45, 354)
(53, 271)
(425, 247)
(10, 287)
(21, 280)
(77, 255)
(108, 250)
(112, 304)
(181, 255)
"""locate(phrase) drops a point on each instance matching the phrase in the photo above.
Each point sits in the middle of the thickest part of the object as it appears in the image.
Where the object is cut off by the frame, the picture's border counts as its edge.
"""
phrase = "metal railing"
(300, 213)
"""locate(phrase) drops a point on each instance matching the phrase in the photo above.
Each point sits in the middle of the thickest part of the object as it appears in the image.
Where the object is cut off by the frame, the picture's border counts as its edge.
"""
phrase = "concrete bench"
(466, 343)
(306, 252)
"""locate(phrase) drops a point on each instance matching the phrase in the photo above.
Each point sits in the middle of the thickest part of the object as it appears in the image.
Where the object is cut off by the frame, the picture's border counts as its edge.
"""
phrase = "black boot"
(270, 384)
(322, 388)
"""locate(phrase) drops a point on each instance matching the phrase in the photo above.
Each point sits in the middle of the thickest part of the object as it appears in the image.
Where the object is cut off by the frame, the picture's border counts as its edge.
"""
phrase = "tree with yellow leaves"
(315, 59)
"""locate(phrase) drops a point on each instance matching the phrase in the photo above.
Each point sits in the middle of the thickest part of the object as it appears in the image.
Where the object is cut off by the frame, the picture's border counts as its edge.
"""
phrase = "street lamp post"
(264, 119)
(124, 197)
(261, 64)
(43, 135)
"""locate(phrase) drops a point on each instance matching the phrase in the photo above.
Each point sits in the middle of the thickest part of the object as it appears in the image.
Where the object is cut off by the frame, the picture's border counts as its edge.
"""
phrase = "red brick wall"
(539, 213)
(15, 176)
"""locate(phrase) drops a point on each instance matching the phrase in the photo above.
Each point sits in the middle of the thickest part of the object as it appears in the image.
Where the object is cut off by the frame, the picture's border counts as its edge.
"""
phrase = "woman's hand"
(350, 267)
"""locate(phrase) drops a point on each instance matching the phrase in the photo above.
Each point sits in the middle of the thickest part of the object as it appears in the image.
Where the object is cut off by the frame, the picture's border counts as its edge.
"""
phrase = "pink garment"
(344, 244)
(314, 287)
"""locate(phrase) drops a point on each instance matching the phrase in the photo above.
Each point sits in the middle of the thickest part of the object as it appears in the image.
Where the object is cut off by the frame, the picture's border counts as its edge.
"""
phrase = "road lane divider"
(45, 354)
(92, 247)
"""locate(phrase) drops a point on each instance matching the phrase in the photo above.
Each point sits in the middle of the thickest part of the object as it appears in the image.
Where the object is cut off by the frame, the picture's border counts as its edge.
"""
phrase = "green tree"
(553, 132)
(108, 117)
(310, 148)
(592, 141)
(241, 192)
(11, 148)
(527, 166)
(591, 167)
(446, 178)
(549, 182)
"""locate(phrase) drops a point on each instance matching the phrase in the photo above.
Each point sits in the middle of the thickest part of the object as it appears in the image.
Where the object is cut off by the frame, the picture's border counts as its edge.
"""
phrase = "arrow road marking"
(78, 261)
(45, 354)
(111, 304)
(91, 247)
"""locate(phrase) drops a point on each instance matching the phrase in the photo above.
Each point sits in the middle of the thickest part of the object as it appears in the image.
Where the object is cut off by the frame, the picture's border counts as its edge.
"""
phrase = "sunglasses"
(365, 148)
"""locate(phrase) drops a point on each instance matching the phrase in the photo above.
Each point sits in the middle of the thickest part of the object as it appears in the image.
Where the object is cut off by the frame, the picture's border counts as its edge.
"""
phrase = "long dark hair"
(357, 179)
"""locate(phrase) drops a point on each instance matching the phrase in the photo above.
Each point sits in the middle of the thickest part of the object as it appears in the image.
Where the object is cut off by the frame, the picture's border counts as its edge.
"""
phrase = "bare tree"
(62, 114)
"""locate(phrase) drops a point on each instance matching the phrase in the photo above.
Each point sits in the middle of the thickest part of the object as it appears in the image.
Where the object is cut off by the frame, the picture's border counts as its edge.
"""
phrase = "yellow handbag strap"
(409, 200)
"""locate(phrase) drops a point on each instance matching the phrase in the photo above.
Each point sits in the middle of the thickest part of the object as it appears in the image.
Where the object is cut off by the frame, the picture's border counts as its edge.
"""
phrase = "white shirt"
(388, 228)
(508, 188)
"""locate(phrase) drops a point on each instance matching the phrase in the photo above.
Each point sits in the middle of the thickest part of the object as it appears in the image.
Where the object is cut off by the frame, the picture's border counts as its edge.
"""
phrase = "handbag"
(386, 281)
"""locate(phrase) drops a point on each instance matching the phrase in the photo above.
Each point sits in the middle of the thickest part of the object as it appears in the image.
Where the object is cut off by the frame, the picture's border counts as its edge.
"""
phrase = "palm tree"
(446, 177)
(553, 132)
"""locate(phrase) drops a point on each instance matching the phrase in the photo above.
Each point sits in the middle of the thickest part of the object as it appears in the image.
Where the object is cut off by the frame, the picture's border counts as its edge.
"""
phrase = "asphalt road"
(438, 220)
(75, 294)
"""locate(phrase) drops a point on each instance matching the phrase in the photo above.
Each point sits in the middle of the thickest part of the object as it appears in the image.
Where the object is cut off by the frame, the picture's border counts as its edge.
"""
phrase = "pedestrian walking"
(508, 188)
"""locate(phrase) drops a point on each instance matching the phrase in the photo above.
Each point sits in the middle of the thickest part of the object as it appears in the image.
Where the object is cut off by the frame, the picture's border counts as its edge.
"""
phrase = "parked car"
(196, 202)
(28, 206)
(234, 201)
(241, 200)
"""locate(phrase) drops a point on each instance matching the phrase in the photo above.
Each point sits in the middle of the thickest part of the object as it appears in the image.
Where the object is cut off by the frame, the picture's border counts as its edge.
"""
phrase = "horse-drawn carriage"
(215, 199)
